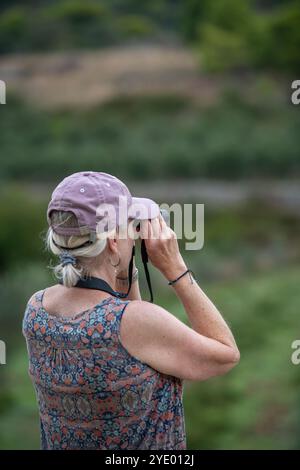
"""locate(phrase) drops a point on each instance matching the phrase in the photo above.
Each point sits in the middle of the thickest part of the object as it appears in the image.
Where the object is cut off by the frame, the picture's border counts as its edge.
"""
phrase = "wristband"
(181, 275)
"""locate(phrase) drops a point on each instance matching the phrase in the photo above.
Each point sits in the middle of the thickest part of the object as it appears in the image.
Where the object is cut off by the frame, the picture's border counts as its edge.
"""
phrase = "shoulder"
(142, 316)
(30, 313)
(141, 307)
(35, 298)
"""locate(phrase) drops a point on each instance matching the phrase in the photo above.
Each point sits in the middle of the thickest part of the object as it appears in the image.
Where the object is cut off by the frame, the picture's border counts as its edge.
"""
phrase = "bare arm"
(156, 337)
(204, 317)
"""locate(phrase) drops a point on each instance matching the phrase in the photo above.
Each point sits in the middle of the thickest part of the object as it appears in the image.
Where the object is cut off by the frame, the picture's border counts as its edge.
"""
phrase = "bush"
(76, 12)
(73, 24)
(146, 139)
(14, 28)
(22, 222)
(283, 48)
(134, 26)
(222, 50)
(232, 34)
(228, 15)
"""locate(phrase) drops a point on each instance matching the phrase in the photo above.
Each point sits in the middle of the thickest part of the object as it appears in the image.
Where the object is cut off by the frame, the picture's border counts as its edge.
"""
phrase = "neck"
(107, 273)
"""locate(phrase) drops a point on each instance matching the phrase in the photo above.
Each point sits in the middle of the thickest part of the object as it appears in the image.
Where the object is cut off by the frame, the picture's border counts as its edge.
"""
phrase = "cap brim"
(143, 208)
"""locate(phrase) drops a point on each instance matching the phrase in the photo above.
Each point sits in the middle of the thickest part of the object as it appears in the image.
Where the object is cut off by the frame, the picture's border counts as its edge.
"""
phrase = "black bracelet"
(181, 275)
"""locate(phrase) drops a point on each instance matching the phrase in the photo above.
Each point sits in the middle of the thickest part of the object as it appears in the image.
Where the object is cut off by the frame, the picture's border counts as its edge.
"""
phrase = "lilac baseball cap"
(99, 201)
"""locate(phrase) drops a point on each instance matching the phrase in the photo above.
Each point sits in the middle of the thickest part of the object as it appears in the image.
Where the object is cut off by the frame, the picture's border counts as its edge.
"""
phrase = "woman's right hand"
(162, 247)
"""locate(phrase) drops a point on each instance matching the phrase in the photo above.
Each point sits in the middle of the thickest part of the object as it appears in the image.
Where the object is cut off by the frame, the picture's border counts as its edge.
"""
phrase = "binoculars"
(165, 215)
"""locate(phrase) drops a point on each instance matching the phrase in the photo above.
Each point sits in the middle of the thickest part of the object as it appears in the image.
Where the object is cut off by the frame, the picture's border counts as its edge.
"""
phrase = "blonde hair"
(86, 257)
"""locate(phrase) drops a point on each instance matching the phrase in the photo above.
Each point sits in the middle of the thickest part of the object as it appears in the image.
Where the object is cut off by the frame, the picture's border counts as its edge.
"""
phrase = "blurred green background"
(186, 101)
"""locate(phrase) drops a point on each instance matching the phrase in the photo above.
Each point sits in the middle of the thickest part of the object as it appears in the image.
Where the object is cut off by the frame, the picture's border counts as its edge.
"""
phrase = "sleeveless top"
(91, 392)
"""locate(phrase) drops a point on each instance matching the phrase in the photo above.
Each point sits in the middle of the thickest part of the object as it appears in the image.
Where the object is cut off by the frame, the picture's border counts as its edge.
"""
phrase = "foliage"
(152, 138)
(22, 222)
(231, 34)
(70, 24)
(222, 50)
(13, 27)
(282, 49)
(134, 25)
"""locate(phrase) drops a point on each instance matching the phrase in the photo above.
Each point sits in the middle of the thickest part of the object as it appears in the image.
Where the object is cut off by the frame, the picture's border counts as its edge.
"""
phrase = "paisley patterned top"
(91, 392)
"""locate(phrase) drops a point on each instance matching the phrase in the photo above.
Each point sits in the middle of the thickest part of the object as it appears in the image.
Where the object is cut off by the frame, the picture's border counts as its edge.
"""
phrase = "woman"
(105, 379)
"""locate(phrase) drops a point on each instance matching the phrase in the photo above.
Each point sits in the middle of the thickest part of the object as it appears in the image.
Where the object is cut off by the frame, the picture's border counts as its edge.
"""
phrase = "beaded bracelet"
(183, 274)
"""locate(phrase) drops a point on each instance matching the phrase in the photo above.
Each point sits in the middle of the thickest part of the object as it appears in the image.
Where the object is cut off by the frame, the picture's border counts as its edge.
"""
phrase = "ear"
(112, 245)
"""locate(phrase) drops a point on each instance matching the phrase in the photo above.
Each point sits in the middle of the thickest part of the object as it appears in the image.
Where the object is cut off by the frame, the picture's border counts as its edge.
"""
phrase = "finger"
(165, 229)
(160, 218)
(150, 231)
(167, 233)
(144, 230)
(155, 228)
(164, 223)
